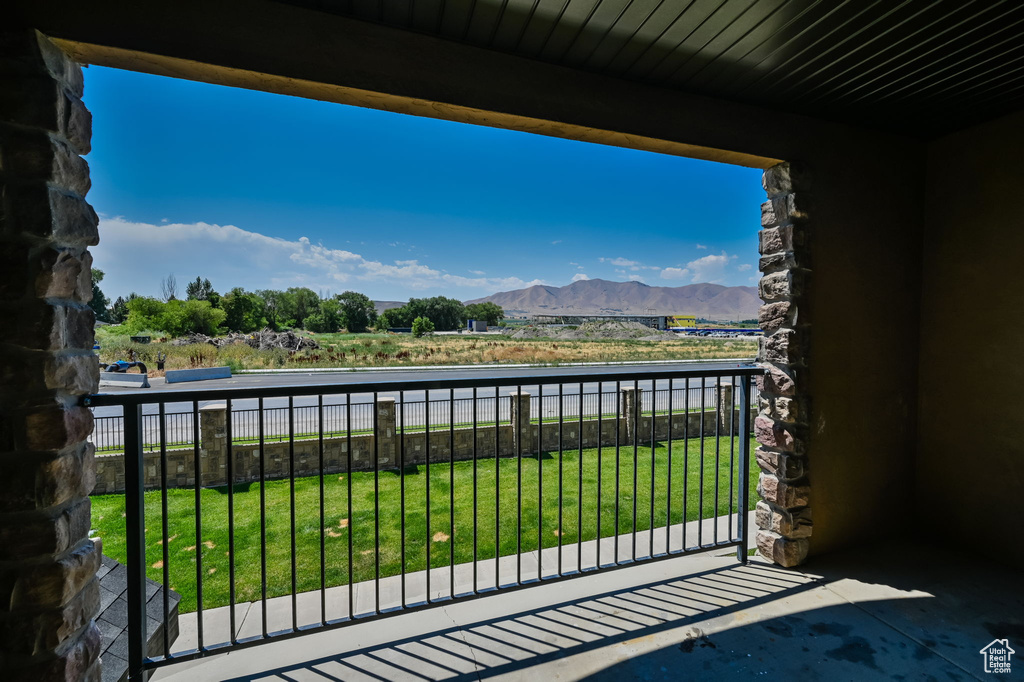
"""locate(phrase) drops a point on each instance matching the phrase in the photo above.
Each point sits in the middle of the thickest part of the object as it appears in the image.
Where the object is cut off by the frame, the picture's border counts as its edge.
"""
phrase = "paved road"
(336, 414)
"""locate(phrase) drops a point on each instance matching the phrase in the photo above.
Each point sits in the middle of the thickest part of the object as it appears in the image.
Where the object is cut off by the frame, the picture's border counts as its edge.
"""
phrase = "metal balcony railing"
(363, 500)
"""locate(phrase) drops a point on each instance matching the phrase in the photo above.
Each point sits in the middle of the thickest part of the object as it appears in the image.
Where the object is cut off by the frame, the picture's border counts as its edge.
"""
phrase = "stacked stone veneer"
(391, 450)
(49, 595)
(783, 514)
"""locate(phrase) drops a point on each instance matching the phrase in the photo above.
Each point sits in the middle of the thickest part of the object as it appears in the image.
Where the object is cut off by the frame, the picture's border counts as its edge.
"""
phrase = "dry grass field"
(396, 350)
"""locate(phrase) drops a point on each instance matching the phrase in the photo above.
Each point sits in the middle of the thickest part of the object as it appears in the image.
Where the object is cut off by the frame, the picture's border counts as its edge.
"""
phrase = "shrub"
(422, 326)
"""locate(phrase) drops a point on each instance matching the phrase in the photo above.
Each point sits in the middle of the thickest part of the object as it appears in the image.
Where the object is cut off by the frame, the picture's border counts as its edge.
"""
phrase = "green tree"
(394, 317)
(202, 290)
(327, 319)
(191, 317)
(422, 326)
(445, 313)
(119, 310)
(277, 306)
(489, 312)
(357, 311)
(99, 301)
(245, 311)
(145, 313)
(300, 304)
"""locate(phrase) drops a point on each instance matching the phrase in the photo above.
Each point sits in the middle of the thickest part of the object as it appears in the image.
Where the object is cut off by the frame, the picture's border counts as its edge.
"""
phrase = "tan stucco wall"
(865, 232)
(971, 457)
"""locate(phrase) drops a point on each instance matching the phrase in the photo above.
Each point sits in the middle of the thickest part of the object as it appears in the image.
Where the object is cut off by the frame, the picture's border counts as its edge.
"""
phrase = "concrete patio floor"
(882, 612)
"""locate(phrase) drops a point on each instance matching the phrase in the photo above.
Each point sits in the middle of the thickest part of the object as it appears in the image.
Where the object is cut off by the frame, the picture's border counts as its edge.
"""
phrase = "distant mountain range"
(599, 296)
(381, 306)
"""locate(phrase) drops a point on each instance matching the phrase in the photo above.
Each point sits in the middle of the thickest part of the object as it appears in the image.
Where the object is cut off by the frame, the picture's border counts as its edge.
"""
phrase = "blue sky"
(265, 191)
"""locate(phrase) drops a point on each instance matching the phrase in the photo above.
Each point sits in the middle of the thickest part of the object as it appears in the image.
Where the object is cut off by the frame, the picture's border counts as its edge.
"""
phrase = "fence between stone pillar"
(517, 435)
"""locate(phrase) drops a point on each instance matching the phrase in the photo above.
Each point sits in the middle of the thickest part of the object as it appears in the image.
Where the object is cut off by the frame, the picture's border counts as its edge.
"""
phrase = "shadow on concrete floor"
(893, 613)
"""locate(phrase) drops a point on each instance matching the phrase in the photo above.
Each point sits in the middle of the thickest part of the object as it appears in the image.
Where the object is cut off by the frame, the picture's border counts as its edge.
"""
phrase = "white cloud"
(710, 268)
(702, 246)
(636, 278)
(675, 273)
(744, 267)
(620, 262)
(477, 272)
(579, 277)
(136, 256)
(557, 241)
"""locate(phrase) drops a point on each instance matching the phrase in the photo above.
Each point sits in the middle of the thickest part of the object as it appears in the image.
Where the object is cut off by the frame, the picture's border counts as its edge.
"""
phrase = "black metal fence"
(584, 487)
(333, 420)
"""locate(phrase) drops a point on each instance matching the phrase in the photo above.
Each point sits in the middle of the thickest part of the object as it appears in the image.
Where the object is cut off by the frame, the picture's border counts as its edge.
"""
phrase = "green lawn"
(109, 516)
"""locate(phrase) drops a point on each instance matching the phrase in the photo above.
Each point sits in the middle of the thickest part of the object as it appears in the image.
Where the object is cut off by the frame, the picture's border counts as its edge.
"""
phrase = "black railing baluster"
(291, 505)
(519, 485)
(579, 489)
(635, 421)
(135, 529)
(732, 448)
(426, 422)
(497, 490)
(451, 493)
(703, 416)
(561, 487)
(668, 492)
(540, 482)
(231, 519)
(600, 466)
(476, 490)
(348, 501)
(718, 449)
(686, 457)
(376, 503)
(401, 484)
(323, 513)
(654, 443)
(618, 462)
(744, 464)
(198, 472)
(263, 522)
(165, 588)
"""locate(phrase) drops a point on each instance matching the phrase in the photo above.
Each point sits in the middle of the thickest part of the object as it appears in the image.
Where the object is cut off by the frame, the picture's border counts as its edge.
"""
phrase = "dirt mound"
(261, 340)
(615, 329)
(602, 329)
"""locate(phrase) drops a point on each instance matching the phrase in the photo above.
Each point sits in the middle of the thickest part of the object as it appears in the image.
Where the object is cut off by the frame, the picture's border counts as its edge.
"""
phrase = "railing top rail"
(132, 398)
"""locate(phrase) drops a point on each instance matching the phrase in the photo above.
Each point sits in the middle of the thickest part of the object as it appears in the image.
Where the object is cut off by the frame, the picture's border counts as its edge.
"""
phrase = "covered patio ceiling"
(917, 67)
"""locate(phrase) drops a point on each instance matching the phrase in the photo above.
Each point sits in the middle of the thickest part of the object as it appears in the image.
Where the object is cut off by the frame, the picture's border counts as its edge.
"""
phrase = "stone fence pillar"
(520, 420)
(726, 409)
(386, 433)
(213, 444)
(629, 403)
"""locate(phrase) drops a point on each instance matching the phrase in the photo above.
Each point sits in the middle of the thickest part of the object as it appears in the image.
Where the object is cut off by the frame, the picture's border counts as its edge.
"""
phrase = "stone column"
(629, 404)
(386, 433)
(783, 514)
(520, 416)
(213, 444)
(48, 564)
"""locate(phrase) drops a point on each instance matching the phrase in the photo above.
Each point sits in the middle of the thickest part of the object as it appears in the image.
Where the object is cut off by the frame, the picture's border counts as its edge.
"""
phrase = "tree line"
(205, 311)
